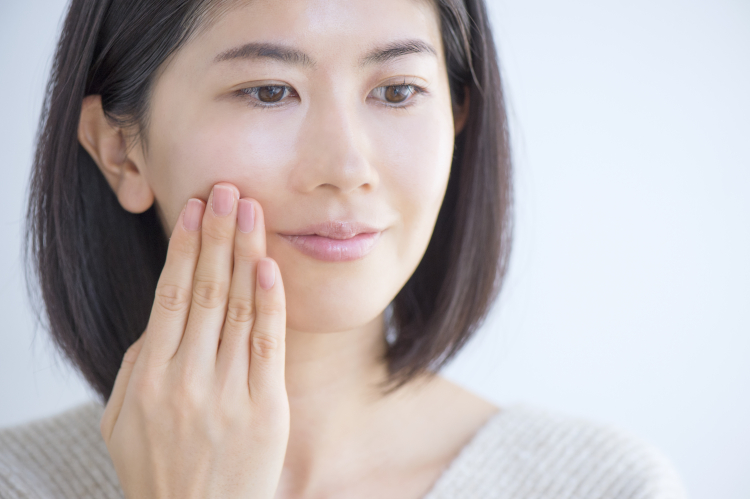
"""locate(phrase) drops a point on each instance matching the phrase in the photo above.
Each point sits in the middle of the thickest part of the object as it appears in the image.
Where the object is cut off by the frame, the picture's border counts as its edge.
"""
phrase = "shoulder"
(58, 456)
(528, 452)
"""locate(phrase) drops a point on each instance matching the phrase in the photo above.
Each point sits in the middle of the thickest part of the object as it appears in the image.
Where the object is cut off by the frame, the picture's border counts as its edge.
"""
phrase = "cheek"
(190, 157)
(416, 158)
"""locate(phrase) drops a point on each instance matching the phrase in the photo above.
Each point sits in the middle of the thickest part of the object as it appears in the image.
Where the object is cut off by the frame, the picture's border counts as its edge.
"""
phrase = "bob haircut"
(97, 265)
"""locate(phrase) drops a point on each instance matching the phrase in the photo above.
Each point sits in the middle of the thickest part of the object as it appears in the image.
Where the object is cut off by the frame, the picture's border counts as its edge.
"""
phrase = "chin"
(318, 311)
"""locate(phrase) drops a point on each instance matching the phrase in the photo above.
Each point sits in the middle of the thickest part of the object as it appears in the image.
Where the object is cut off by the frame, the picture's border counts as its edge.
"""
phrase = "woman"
(334, 179)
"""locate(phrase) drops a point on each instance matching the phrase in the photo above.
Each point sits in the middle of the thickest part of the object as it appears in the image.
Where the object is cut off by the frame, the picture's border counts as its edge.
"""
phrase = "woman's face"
(352, 123)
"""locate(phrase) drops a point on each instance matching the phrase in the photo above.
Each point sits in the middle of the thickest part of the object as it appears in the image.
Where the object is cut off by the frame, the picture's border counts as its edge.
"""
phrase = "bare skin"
(335, 146)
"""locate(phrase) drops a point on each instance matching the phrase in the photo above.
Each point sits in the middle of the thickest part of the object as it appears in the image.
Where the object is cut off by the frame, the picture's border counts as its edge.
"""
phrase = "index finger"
(169, 314)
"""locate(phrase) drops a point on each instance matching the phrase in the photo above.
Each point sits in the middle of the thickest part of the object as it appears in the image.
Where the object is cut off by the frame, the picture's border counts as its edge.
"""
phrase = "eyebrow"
(397, 49)
(290, 55)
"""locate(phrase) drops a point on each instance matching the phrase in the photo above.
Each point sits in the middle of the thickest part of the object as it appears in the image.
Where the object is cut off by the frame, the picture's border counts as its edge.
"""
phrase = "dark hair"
(97, 265)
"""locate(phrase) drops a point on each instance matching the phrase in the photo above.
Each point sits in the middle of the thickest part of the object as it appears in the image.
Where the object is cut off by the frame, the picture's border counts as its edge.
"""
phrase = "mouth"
(334, 229)
(335, 250)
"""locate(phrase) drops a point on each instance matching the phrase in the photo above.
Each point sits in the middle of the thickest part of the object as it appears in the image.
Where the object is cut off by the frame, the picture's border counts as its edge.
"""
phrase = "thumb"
(114, 404)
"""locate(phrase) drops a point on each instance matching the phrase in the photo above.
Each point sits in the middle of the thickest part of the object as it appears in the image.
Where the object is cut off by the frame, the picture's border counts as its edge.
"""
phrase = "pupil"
(270, 94)
(396, 93)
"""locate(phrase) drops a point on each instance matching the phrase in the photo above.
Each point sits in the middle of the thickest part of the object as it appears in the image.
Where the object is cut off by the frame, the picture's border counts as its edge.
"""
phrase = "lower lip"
(335, 250)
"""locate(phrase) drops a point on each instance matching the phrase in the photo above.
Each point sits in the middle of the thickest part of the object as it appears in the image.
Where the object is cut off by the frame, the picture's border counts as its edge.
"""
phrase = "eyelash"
(416, 90)
(255, 102)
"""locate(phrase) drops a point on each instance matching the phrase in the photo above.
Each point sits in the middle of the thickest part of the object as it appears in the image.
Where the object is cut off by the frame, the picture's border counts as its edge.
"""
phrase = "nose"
(334, 149)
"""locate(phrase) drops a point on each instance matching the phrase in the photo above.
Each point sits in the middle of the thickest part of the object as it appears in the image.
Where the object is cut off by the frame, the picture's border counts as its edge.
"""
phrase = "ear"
(461, 112)
(108, 148)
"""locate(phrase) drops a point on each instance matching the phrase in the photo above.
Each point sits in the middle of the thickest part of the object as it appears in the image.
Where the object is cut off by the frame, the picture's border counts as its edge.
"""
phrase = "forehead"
(327, 30)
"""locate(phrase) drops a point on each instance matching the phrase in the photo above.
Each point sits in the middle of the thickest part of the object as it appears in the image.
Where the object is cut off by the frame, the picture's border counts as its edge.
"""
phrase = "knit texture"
(520, 453)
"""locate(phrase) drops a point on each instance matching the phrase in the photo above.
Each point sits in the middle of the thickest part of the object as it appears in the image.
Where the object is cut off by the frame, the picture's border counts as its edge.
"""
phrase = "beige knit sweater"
(520, 453)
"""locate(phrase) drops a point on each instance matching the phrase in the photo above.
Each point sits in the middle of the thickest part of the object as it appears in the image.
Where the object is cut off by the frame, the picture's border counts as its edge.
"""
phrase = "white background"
(628, 300)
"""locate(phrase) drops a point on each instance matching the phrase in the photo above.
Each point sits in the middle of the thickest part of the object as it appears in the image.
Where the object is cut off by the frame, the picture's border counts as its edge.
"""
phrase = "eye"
(268, 95)
(399, 95)
(271, 94)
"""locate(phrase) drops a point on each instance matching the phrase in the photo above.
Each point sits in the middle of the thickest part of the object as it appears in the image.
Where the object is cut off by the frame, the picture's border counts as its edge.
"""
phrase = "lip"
(334, 229)
(335, 241)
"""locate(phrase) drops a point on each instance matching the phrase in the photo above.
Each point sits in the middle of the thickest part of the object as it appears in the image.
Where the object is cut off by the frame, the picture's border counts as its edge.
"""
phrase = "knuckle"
(265, 345)
(240, 311)
(209, 293)
(186, 400)
(270, 308)
(218, 232)
(185, 246)
(172, 297)
(245, 254)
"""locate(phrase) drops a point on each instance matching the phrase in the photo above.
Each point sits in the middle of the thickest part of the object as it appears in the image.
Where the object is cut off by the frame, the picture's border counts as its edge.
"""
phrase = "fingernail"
(222, 201)
(246, 216)
(191, 220)
(266, 274)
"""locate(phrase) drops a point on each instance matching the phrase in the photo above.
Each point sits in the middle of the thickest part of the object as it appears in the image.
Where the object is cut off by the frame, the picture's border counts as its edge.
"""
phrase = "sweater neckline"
(452, 471)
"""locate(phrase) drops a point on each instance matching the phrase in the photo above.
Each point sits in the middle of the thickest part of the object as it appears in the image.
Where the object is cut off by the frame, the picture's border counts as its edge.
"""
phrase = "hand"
(199, 408)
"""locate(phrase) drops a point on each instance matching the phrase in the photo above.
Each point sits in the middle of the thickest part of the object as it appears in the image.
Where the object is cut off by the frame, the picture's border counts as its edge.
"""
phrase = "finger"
(211, 280)
(114, 404)
(169, 313)
(233, 358)
(267, 343)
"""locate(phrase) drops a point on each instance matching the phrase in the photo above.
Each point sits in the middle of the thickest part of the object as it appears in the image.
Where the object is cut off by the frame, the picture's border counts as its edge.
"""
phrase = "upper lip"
(334, 229)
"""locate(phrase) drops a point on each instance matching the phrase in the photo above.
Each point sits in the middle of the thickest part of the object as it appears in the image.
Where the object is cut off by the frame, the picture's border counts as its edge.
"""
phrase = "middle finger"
(212, 278)
(233, 357)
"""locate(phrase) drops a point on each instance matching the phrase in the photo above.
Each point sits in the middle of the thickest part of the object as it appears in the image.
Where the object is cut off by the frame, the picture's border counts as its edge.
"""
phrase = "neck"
(331, 381)
(331, 375)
